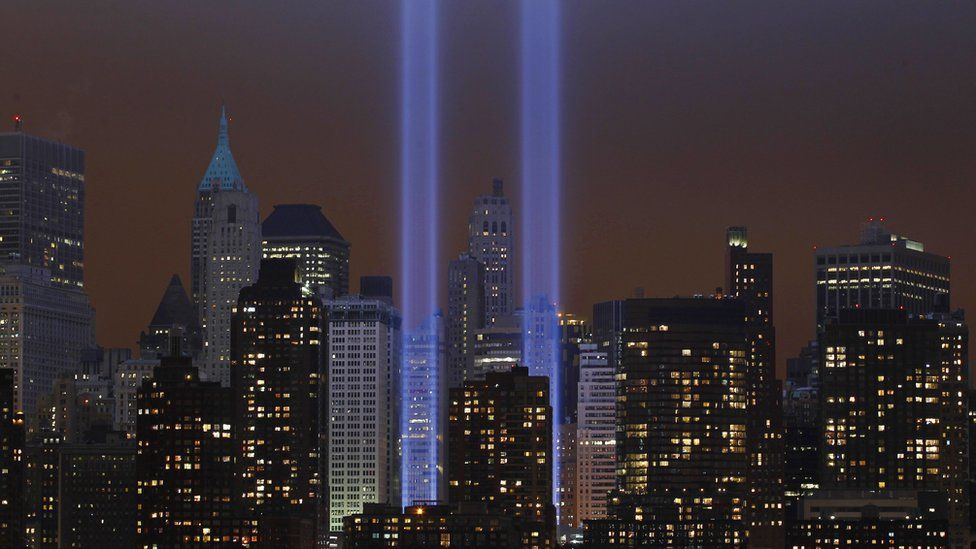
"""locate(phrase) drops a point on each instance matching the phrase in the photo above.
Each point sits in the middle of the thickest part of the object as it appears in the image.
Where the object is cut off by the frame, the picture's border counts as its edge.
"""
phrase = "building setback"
(225, 253)
(276, 365)
(500, 435)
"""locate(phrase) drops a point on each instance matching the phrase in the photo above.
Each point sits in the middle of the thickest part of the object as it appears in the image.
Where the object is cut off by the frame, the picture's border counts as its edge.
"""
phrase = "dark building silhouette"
(175, 314)
(501, 450)
(573, 331)
(276, 379)
(301, 232)
(465, 315)
(42, 197)
(376, 287)
(185, 463)
(425, 526)
(11, 465)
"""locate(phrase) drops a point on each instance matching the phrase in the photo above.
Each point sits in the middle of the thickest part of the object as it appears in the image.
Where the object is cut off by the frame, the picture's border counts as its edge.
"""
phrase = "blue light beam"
(540, 141)
(420, 421)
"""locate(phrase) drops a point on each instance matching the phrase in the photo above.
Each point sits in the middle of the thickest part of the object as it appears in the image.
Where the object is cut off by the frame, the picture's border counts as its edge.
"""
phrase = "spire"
(222, 173)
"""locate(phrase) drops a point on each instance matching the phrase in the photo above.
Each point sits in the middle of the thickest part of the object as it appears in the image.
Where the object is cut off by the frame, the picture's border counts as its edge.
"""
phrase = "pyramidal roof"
(222, 172)
(298, 220)
(174, 308)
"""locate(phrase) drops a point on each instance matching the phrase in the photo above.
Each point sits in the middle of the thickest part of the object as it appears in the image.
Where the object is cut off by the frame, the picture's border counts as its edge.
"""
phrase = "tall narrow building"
(501, 450)
(276, 382)
(303, 233)
(424, 413)
(749, 278)
(595, 440)
(491, 241)
(465, 315)
(364, 401)
(11, 465)
(226, 252)
(42, 197)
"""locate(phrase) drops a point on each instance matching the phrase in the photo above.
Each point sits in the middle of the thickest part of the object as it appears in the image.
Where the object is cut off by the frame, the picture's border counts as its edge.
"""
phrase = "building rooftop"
(298, 220)
(222, 172)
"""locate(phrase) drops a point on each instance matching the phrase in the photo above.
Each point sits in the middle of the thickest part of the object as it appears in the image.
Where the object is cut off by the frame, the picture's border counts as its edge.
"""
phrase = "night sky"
(797, 119)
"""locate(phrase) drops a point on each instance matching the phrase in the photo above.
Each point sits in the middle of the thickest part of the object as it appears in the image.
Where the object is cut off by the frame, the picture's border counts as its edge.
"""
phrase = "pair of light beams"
(420, 261)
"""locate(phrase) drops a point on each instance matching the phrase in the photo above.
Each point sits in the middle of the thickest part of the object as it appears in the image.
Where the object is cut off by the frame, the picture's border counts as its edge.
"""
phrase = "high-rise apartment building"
(303, 233)
(894, 415)
(491, 241)
(465, 315)
(364, 395)
(45, 328)
(595, 433)
(42, 199)
(276, 365)
(175, 314)
(501, 450)
(185, 463)
(424, 413)
(225, 253)
(883, 271)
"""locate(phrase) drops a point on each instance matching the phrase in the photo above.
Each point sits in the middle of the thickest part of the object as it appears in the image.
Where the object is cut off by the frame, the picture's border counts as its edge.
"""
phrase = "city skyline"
(847, 135)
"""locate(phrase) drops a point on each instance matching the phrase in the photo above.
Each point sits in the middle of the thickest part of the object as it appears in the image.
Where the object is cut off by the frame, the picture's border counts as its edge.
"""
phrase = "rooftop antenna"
(18, 123)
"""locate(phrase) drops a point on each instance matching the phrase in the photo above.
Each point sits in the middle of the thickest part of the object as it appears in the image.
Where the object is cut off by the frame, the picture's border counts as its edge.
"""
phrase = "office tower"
(683, 412)
(803, 370)
(185, 461)
(424, 419)
(73, 412)
(276, 365)
(11, 464)
(501, 450)
(90, 494)
(364, 403)
(303, 233)
(883, 271)
(894, 416)
(608, 322)
(465, 315)
(174, 314)
(595, 433)
(497, 348)
(226, 251)
(801, 427)
(540, 341)
(468, 525)
(749, 278)
(129, 376)
(376, 287)
(42, 197)
(44, 330)
(566, 489)
(491, 241)
(573, 332)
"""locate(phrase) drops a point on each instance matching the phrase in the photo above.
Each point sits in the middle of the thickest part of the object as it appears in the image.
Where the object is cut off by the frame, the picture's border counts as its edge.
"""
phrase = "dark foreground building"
(11, 465)
(428, 526)
(501, 451)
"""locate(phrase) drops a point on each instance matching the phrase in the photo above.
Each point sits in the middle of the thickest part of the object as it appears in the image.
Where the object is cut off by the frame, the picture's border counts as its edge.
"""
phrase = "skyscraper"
(595, 440)
(226, 251)
(185, 462)
(276, 381)
(491, 241)
(497, 348)
(424, 419)
(465, 315)
(501, 450)
(883, 271)
(683, 410)
(302, 232)
(174, 315)
(895, 408)
(42, 197)
(45, 328)
(574, 332)
(364, 404)
(749, 278)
